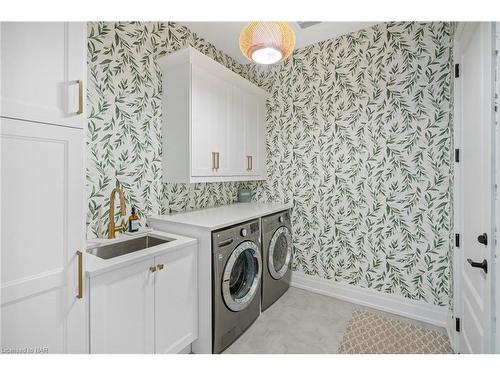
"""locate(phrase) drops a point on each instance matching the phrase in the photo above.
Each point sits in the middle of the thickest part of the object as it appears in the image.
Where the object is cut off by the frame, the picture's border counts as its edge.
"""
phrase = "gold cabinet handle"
(160, 267)
(79, 255)
(80, 96)
(215, 161)
(152, 269)
(249, 163)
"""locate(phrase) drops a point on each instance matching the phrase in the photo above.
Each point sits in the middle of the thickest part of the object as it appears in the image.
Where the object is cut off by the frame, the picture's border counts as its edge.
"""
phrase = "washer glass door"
(241, 276)
(280, 252)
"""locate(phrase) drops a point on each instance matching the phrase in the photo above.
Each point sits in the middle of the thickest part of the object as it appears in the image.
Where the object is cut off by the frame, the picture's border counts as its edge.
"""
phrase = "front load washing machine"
(277, 256)
(236, 290)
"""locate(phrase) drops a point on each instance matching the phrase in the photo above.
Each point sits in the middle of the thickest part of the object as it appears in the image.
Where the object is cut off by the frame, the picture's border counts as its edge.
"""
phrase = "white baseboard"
(421, 311)
(186, 350)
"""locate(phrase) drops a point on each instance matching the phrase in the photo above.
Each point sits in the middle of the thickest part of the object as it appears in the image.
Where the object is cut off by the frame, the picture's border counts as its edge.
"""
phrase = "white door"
(42, 228)
(122, 310)
(42, 65)
(176, 300)
(475, 56)
(210, 108)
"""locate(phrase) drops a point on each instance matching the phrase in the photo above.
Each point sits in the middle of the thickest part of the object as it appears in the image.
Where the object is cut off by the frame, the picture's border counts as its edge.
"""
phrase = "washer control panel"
(282, 217)
(254, 227)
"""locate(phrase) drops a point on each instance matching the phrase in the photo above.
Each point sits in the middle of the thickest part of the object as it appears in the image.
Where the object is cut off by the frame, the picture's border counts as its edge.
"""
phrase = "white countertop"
(223, 216)
(95, 265)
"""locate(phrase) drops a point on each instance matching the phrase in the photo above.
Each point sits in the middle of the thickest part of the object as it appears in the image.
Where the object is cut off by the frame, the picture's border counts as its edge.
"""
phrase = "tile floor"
(301, 322)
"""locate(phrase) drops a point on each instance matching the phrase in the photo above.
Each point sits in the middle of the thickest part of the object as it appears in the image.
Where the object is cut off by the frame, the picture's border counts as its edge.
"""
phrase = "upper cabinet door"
(236, 133)
(210, 105)
(43, 68)
(220, 102)
(254, 133)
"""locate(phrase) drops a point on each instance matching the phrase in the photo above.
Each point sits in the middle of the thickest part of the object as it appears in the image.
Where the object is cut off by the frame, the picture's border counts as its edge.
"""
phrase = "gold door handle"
(152, 269)
(80, 96)
(79, 255)
(213, 161)
(160, 267)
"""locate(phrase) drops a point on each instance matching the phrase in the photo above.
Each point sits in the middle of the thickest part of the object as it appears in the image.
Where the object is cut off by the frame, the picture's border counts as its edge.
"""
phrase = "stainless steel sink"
(125, 247)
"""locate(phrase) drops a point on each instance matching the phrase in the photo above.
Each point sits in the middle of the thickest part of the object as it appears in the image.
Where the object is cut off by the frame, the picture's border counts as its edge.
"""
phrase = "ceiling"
(225, 35)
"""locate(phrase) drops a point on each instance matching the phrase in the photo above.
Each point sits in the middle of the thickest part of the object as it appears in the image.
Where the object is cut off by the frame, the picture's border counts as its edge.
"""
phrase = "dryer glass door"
(280, 252)
(241, 276)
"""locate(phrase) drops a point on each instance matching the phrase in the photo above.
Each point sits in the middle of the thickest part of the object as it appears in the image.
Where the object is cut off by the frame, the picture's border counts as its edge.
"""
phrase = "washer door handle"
(225, 243)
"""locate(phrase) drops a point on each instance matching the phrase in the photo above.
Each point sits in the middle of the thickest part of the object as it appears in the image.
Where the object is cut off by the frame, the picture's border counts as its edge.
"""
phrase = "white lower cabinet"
(122, 310)
(146, 307)
(176, 300)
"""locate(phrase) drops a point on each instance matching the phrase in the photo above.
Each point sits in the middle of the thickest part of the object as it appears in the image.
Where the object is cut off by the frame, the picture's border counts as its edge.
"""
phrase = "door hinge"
(457, 324)
(457, 239)
(457, 155)
(457, 70)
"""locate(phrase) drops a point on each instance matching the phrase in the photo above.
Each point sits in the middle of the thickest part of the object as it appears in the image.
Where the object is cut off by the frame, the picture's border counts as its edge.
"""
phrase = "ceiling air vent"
(306, 24)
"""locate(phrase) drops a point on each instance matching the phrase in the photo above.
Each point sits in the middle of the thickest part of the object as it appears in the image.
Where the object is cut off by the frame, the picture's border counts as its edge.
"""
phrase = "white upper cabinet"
(213, 121)
(43, 69)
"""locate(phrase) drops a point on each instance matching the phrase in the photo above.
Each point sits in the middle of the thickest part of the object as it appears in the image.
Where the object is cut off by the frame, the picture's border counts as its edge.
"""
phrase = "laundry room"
(184, 183)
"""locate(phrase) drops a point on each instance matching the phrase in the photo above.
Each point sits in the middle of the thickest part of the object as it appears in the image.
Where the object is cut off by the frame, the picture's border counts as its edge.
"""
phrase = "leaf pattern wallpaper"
(358, 138)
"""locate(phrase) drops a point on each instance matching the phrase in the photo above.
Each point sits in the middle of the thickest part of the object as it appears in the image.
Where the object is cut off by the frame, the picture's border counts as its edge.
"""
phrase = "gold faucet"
(112, 227)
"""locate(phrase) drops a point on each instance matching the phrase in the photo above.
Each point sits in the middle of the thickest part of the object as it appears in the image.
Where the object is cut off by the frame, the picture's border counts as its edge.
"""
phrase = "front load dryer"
(277, 256)
(236, 289)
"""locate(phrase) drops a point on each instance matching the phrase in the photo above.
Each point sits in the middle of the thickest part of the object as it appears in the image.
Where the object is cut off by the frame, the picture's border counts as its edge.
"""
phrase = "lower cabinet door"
(122, 310)
(176, 300)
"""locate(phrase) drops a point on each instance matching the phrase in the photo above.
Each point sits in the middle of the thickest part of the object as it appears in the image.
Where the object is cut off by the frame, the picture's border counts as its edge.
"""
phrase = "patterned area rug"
(371, 333)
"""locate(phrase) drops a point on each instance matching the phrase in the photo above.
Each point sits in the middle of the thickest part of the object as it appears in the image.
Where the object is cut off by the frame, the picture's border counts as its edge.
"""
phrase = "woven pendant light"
(267, 42)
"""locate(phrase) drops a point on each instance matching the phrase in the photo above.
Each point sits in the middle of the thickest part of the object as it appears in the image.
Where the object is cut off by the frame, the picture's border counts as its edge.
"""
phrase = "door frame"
(457, 217)
(496, 286)
(462, 30)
